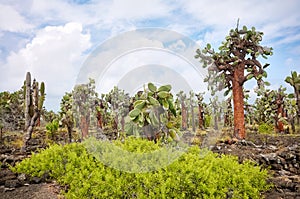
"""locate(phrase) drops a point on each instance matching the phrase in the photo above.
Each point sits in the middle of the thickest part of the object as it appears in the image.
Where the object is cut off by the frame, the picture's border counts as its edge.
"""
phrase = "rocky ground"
(279, 153)
(18, 186)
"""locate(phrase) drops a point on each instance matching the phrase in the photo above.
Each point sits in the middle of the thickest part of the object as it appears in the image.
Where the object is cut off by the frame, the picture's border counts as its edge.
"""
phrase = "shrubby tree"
(49, 116)
(291, 112)
(84, 97)
(294, 81)
(264, 108)
(11, 110)
(269, 107)
(200, 110)
(239, 53)
(66, 113)
(119, 103)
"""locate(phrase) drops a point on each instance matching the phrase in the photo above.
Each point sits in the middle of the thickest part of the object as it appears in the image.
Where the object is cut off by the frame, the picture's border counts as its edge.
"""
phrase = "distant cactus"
(294, 81)
(34, 100)
(66, 113)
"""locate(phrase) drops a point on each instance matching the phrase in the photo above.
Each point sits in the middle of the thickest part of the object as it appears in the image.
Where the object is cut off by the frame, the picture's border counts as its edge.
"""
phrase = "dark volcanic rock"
(5, 175)
(14, 183)
(281, 154)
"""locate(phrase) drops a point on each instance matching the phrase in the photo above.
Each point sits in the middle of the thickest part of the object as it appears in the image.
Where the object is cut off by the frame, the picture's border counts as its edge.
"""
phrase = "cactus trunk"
(84, 125)
(27, 100)
(183, 116)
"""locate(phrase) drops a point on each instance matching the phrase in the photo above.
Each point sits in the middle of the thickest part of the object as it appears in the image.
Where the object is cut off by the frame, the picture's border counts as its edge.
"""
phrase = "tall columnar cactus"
(28, 100)
(34, 100)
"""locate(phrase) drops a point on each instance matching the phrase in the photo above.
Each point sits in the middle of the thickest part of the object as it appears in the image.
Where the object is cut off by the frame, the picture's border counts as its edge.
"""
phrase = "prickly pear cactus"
(153, 110)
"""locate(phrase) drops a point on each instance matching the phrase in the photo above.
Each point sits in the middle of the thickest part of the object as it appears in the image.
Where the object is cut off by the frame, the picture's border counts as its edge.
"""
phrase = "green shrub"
(195, 174)
(207, 121)
(52, 128)
(266, 128)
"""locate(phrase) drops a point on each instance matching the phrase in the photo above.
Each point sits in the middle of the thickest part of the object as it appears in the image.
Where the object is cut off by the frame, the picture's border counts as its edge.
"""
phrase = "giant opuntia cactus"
(152, 111)
(294, 81)
(34, 100)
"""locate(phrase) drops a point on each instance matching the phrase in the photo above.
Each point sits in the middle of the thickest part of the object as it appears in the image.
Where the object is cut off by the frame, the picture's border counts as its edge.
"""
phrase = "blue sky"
(52, 39)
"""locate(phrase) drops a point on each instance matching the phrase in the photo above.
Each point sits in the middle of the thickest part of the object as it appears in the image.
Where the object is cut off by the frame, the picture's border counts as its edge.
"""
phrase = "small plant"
(196, 141)
(266, 128)
(17, 143)
(207, 121)
(52, 129)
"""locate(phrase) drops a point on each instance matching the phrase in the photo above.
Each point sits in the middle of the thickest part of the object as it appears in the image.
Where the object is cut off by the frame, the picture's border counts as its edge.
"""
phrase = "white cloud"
(137, 10)
(11, 20)
(54, 53)
(54, 56)
(274, 18)
(288, 62)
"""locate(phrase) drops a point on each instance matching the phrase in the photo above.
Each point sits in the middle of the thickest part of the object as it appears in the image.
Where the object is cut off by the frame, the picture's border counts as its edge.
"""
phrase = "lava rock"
(12, 183)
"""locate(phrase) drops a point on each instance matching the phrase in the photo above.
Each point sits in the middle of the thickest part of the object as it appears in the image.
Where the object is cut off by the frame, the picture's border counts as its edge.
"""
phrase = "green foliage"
(266, 128)
(83, 105)
(155, 107)
(221, 65)
(118, 102)
(52, 128)
(66, 113)
(196, 174)
(294, 80)
(207, 121)
(34, 97)
(42, 96)
(11, 110)
(266, 105)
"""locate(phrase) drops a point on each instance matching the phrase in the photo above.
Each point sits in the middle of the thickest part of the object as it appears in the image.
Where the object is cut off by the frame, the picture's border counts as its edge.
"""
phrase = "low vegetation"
(195, 174)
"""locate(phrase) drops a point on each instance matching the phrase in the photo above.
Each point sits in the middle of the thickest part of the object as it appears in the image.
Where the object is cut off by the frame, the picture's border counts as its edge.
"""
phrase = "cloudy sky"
(54, 39)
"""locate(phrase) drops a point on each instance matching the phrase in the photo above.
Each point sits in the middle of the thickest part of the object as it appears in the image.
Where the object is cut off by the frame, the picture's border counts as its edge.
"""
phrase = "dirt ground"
(32, 191)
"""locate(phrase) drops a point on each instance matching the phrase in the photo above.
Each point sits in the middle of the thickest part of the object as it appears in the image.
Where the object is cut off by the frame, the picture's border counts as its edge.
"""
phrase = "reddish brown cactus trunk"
(183, 116)
(201, 116)
(238, 103)
(84, 125)
(99, 120)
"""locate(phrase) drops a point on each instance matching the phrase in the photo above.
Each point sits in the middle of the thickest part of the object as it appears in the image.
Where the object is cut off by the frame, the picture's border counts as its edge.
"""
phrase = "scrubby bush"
(266, 128)
(52, 128)
(195, 174)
